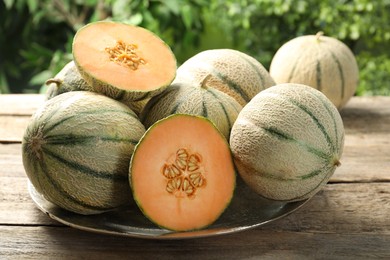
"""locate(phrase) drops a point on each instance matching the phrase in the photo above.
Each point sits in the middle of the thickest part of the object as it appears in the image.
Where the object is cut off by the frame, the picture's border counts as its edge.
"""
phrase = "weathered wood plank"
(16, 206)
(365, 207)
(348, 219)
(344, 208)
(366, 158)
(367, 115)
(11, 164)
(366, 154)
(20, 104)
(66, 243)
(12, 128)
(15, 113)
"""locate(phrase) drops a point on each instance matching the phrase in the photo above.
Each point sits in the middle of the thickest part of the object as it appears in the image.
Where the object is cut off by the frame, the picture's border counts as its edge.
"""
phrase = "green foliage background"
(36, 35)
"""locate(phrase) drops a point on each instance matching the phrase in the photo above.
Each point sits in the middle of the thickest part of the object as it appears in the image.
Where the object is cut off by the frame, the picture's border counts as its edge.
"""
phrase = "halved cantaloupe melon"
(122, 60)
(182, 173)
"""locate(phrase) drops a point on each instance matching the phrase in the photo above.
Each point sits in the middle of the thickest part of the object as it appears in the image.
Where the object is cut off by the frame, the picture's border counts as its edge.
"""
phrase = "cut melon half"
(122, 60)
(182, 173)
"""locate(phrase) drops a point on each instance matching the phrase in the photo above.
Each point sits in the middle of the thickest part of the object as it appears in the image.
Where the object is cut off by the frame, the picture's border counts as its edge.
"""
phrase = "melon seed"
(184, 176)
(125, 54)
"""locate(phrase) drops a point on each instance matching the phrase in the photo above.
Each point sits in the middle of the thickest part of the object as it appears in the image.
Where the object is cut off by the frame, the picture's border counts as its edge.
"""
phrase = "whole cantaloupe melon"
(76, 151)
(185, 98)
(230, 71)
(67, 79)
(322, 62)
(287, 142)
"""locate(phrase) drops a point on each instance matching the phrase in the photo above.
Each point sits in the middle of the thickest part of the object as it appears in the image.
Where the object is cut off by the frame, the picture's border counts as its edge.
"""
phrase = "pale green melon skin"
(184, 98)
(223, 67)
(70, 79)
(134, 99)
(274, 165)
(319, 61)
(95, 177)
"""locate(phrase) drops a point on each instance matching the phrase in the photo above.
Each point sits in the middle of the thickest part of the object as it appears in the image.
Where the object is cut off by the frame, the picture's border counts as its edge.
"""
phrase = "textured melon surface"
(68, 79)
(183, 98)
(182, 173)
(231, 71)
(321, 62)
(77, 149)
(287, 142)
(123, 61)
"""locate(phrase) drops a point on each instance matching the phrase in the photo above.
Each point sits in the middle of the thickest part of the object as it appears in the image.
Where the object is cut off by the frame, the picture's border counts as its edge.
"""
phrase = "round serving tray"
(246, 210)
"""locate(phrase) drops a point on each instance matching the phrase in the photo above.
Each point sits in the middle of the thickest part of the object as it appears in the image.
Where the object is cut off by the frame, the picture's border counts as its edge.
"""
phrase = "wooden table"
(348, 219)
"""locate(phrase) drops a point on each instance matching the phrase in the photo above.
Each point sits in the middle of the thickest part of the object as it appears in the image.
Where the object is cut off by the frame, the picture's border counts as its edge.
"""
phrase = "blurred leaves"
(266, 24)
(36, 35)
(260, 27)
(374, 74)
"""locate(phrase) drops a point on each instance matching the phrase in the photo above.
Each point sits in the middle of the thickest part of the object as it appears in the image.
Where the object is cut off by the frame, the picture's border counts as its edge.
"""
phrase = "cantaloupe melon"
(185, 98)
(287, 142)
(182, 173)
(69, 79)
(123, 61)
(319, 61)
(231, 71)
(77, 150)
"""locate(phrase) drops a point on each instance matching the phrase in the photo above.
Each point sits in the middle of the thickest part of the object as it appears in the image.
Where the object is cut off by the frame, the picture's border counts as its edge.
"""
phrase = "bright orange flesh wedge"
(182, 173)
(91, 51)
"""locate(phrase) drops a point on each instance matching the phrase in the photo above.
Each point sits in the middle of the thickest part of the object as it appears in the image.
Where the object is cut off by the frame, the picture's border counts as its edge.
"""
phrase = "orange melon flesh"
(90, 54)
(158, 147)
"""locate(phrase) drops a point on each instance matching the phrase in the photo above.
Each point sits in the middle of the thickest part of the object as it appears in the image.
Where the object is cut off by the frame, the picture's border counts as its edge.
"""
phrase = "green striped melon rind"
(231, 71)
(77, 149)
(70, 79)
(321, 62)
(293, 142)
(107, 89)
(181, 98)
(124, 96)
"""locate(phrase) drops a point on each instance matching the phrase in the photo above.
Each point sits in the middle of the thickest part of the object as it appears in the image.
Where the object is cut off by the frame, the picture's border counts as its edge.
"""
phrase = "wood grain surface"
(348, 219)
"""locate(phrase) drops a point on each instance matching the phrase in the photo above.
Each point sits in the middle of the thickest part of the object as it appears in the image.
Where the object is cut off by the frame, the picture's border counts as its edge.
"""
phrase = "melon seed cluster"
(184, 174)
(125, 54)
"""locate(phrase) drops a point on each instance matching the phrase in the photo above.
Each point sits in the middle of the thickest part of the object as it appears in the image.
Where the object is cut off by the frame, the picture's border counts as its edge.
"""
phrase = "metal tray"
(247, 210)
